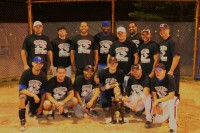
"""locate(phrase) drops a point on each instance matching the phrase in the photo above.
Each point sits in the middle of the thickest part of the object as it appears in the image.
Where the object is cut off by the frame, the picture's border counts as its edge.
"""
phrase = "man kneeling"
(59, 94)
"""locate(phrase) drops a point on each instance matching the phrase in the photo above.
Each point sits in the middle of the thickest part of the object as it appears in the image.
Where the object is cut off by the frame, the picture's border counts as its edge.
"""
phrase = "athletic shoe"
(148, 124)
(39, 116)
(172, 131)
(93, 113)
(50, 116)
(67, 115)
(127, 110)
(30, 114)
(139, 113)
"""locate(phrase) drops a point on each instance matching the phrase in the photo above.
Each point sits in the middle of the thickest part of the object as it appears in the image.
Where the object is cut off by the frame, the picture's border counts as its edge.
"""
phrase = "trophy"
(117, 107)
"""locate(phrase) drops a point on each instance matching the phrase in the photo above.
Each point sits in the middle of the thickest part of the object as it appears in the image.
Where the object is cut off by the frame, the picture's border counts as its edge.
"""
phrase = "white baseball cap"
(37, 23)
(121, 29)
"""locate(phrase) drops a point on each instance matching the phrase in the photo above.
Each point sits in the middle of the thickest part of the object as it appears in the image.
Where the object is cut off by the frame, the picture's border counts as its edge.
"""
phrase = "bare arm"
(28, 93)
(50, 55)
(96, 59)
(136, 60)
(78, 97)
(175, 62)
(24, 59)
(156, 58)
(72, 58)
(70, 96)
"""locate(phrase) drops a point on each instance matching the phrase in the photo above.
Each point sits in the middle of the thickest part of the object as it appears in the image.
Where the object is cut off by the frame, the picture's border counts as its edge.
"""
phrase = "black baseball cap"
(160, 66)
(87, 67)
(112, 59)
(136, 66)
(61, 27)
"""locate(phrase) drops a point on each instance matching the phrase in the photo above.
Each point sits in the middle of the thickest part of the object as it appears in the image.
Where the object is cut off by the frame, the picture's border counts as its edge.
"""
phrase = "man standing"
(134, 36)
(165, 101)
(37, 44)
(125, 52)
(87, 92)
(61, 50)
(170, 54)
(137, 94)
(149, 53)
(104, 40)
(59, 94)
(31, 89)
(110, 78)
(84, 50)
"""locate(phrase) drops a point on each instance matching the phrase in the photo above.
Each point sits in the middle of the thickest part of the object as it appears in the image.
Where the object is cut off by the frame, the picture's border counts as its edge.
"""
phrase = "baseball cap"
(121, 29)
(61, 27)
(160, 66)
(105, 23)
(164, 25)
(37, 23)
(112, 59)
(87, 67)
(38, 59)
(136, 66)
(146, 30)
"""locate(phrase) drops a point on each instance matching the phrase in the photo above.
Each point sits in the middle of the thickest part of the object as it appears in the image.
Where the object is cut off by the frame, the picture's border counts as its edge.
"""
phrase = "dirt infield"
(188, 116)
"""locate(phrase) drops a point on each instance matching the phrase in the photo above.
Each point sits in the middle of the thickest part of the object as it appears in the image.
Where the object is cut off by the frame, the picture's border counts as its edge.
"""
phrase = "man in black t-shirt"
(61, 51)
(134, 36)
(84, 50)
(137, 94)
(59, 94)
(87, 92)
(149, 53)
(37, 44)
(165, 101)
(170, 53)
(104, 41)
(125, 52)
(31, 89)
(110, 78)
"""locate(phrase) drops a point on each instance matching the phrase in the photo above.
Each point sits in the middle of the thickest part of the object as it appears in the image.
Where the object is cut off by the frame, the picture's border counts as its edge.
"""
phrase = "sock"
(22, 114)
(65, 110)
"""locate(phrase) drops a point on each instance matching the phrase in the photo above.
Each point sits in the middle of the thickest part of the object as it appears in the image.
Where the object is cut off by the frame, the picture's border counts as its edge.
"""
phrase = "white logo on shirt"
(145, 55)
(121, 52)
(137, 42)
(105, 46)
(136, 89)
(86, 90)
(59, 92)
(163, 50)
(64, 49)
(40, 47)
(83, 46)
(161, 91)
(110, 81)
(34, 86)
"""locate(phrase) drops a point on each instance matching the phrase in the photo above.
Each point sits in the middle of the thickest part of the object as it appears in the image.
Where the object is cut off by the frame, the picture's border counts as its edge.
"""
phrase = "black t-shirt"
(104, 42)
(33, 83)
(164, 86)
(36, 45)
(61, 52)
(83, 86)
(59, 91)
(168, 49)
(84, 47)
(124, 52)
(147, 51)
(106, 77)
(137, 40)
(136, 86)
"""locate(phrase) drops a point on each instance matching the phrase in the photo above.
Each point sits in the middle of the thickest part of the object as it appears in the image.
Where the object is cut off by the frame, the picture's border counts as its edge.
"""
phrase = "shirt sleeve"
(174, 47)
(25, 43)
(77, 84)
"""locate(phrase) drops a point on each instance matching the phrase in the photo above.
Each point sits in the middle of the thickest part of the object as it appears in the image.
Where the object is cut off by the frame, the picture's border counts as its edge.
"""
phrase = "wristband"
(107, 86)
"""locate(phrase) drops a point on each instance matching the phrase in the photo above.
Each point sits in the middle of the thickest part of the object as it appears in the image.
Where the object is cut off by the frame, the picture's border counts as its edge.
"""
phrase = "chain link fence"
(13, 24)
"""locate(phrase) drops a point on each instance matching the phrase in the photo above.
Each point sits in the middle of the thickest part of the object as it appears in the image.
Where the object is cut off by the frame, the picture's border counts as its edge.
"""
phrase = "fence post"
(30, 18)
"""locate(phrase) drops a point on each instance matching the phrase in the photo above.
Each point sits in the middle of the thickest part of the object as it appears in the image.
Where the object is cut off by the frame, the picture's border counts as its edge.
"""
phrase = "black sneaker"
(148, 124)
(39, 116)
(172, 131)
(127, 110)
(30, 114)
(50, 116)
(67, 115)
(93, 113)
(22, 125)
(139, 113)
